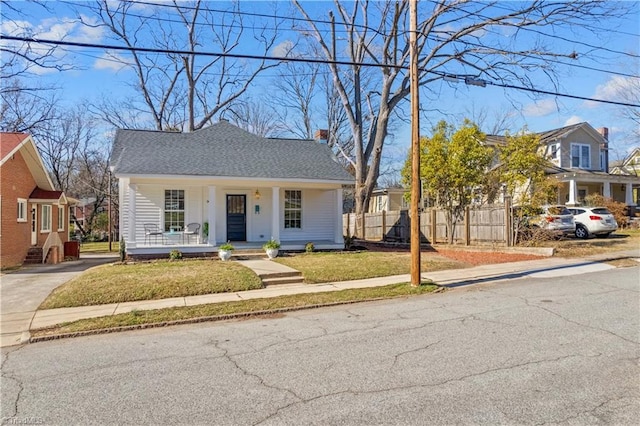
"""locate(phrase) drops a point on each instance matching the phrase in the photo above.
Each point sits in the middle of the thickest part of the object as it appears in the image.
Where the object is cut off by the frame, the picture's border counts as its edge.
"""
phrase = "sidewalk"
(449, 278)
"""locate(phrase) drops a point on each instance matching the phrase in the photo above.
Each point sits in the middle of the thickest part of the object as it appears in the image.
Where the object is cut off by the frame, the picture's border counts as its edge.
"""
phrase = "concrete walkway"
(16, 322)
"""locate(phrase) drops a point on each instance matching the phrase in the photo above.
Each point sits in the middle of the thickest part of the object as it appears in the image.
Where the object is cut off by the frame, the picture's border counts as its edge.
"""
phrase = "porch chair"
(192, 229)
(151, 229)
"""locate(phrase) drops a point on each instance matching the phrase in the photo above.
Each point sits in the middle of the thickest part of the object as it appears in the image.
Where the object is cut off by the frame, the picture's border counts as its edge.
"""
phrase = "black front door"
(236, 217)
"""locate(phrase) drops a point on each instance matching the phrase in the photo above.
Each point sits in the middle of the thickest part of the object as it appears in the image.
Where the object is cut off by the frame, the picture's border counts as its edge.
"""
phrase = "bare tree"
(455, 38)
(255, 117)
(184, 90)
(25, 108)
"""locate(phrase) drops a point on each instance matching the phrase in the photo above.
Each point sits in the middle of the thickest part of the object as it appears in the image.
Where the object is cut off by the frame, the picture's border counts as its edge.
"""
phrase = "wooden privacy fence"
(483, 224)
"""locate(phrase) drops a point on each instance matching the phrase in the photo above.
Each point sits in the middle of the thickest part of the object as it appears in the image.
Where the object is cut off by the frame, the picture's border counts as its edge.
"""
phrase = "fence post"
(364, 215)
(434, 226)
(467, 227)
(384, 225)
(507, 222)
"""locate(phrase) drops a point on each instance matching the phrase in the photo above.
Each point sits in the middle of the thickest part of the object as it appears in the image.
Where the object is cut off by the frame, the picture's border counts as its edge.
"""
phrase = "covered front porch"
(575, 186)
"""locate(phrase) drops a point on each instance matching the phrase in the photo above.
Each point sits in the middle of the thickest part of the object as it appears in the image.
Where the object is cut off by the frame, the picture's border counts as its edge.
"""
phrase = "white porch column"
(131, 213)
(628, 194)
(275, 213)
(211, 215)
(606, 190)
(573, 190)
(338, 230)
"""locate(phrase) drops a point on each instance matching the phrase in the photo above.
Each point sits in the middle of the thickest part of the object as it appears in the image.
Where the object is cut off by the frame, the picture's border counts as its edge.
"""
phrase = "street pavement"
(23, 291)
(530, 350)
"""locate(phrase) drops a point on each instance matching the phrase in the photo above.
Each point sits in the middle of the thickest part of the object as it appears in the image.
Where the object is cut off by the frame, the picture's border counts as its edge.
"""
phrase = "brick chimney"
(321, 135)
(604, 131)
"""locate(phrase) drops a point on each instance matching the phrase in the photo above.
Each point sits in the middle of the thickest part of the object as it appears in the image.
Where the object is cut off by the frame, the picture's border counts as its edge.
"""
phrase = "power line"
(320, 21)
(470, 80)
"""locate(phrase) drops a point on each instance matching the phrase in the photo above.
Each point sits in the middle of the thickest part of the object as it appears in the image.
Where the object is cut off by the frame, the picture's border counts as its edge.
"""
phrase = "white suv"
(555, 218)
(596, 221)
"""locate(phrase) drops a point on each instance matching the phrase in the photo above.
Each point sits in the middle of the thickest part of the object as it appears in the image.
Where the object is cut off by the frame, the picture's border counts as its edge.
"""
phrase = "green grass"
(115, 283)
(297, 301)
(101, 247)
(343, 266)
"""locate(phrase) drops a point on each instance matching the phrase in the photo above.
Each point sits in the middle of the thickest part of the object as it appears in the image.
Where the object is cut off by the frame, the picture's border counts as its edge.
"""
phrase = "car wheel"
(581, 232)
(603, 235)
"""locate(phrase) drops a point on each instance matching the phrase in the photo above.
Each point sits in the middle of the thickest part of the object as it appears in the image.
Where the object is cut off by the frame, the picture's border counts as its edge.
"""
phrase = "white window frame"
(61, 218)
(580, 156)
(22, 210)
(167, 225)
(45, 218)
(554, 151)
(288, 222)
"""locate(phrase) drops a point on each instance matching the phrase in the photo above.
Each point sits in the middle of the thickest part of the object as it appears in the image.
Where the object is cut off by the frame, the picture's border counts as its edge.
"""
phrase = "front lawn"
(344, 266)
(115, 283)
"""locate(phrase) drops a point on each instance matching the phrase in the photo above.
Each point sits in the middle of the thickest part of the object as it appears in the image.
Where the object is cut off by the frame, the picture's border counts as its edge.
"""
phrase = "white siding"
(149, 203)
(318, 216)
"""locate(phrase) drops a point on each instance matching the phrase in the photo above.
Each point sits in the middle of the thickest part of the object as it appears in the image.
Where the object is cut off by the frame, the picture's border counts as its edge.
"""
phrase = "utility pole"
(110, 225)
(415, 144)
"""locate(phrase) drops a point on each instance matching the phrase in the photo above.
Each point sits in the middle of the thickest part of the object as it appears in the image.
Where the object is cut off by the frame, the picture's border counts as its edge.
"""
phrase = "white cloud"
(283, 49)
(574, 119)
(540, 108)
(112, 62)
(615, 89)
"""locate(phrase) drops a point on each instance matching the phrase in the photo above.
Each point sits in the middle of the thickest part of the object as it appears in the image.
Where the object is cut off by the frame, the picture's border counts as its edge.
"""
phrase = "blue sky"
(97, 75)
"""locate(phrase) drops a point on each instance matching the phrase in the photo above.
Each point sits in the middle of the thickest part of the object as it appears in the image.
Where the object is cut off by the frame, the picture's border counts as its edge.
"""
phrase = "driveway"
(24, 290)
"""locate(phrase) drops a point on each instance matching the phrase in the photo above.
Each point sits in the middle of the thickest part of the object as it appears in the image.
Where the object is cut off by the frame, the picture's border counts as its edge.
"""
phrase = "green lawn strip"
(99, 247)
(116, 283)
(230, 309)
(344, 266)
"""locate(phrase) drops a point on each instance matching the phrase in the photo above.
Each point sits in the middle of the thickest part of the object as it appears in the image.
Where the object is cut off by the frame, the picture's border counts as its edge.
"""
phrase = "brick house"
(34, 223)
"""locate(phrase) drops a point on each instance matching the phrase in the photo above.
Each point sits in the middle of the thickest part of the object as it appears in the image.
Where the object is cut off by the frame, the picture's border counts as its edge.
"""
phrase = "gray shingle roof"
(223, 150)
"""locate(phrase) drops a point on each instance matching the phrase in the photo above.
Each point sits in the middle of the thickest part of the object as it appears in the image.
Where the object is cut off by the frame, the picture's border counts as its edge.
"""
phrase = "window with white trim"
(293, 209)
(580, 156)
(22, 210)
(45, 218)
(173, 210)
(554, 150)
(60, 218)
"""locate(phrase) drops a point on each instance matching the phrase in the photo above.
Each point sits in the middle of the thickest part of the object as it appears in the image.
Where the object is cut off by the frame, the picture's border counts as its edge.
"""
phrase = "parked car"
(555, 218)
(596, 221)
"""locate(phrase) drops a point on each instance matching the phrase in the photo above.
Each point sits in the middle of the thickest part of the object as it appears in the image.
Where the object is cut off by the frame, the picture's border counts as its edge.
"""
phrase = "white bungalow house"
(244, 188)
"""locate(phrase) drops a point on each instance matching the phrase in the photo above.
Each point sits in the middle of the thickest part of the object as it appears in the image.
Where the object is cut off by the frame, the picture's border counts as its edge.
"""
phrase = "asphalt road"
(560, 350)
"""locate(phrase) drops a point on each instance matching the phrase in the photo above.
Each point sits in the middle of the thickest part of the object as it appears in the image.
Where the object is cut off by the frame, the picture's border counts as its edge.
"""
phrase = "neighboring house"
(579, 161)
(34, 215)
(246, 188)
(629, 166)
(388, 199)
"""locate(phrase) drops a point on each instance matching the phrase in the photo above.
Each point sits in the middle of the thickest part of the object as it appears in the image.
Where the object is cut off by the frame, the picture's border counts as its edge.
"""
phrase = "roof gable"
(223, 150)
(11, 143)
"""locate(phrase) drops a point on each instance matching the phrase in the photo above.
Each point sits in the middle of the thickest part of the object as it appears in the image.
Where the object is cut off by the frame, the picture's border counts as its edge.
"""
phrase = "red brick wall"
(16, 182)
(15, 237)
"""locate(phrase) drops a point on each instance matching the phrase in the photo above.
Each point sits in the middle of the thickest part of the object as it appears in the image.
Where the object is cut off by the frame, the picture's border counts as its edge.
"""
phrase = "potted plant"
(224, 251)
(205, 232)
(271, 247)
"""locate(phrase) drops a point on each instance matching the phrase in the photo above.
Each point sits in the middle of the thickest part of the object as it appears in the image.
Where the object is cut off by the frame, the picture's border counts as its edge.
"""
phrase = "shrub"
(309, 247)
(175, 255)
(617, 209)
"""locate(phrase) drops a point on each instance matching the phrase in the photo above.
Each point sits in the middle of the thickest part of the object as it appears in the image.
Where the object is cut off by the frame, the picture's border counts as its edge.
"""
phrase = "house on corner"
(34, 224)
(579, 155)
(193, 191)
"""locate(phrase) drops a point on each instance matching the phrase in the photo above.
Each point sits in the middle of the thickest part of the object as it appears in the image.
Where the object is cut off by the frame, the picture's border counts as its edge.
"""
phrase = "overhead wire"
(298, 59)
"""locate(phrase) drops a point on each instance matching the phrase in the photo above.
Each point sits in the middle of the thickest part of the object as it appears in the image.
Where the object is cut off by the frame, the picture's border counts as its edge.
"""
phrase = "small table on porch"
(173, 237)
